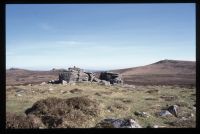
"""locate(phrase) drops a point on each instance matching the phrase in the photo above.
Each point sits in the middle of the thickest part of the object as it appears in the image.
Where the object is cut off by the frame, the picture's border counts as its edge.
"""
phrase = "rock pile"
(75, 74)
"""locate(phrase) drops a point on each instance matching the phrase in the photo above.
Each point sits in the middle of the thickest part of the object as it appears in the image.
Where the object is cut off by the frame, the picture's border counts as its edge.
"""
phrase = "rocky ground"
(86, 105)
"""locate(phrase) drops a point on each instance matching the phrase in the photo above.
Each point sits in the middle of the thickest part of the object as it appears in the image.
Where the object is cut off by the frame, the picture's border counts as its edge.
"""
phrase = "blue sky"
(98, 36)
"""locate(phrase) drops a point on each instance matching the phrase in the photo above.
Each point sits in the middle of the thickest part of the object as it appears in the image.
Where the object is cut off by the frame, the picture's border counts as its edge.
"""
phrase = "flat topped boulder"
(111, 77)
(111, 74)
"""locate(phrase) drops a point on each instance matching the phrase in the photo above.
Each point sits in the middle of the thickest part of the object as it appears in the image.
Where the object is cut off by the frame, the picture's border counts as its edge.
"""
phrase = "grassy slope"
(115, 101)
(165, 72)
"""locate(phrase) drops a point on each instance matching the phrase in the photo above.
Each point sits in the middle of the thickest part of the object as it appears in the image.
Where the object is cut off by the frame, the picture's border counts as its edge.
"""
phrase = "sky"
(98, 36)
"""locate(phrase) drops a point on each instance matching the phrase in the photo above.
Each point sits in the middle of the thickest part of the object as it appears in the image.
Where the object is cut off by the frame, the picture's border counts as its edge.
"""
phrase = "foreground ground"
(113, 102)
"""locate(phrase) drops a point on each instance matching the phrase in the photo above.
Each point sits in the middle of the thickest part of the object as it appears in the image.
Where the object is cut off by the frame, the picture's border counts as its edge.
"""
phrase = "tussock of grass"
(117, 106)
(76, 90)
(153, 91)
(55, 111)
(22, 121)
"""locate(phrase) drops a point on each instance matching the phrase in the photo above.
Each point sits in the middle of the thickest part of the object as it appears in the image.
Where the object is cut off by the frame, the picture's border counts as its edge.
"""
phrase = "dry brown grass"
(76, 90)
(189, 123)
(76, 110)
(22, 121)
(169, 98)
(56, 112)
(117, 106)
(153, 91)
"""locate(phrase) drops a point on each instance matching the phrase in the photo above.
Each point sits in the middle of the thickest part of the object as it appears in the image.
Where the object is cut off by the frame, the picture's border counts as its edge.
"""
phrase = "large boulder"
(111, 77)
(72, 75)
(83, 76)
(68, 76)
(116, 80)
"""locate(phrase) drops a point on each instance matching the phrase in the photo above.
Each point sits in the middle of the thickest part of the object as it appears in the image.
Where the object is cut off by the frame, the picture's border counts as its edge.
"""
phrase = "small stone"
(165, 113)
(43, 83)
(142, 114)
(51, 82)
(64, 82)
(50, 89)
(183, 118)
(173, 110)
(191, 115)
(133, 86)
(134, 124)
(105, 83)
(18, 95)
(73, 84)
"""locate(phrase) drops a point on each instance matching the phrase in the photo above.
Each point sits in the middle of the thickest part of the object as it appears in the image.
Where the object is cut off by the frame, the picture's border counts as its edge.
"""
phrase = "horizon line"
(91, 69)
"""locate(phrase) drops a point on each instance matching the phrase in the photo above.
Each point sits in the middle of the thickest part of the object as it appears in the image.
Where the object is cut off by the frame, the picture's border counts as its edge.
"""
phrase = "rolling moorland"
(147, 90)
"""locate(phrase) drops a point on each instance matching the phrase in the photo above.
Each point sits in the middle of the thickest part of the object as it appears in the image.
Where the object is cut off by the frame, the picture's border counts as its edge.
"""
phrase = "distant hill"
(23, 76)
(164, 72)
(162, 67)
